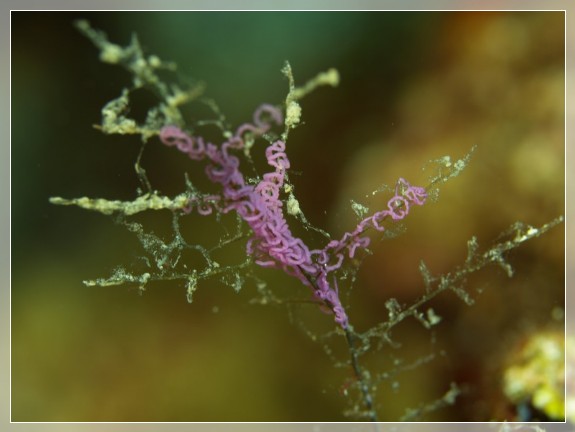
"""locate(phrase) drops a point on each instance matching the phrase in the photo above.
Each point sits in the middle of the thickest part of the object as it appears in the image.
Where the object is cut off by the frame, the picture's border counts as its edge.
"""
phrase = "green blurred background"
(414, 87)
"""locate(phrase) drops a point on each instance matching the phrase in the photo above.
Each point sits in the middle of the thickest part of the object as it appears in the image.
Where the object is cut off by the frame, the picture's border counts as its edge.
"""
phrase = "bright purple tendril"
(272, 243)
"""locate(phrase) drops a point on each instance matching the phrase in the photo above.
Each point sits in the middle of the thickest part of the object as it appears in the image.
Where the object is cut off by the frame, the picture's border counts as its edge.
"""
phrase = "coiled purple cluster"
(272, 243)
